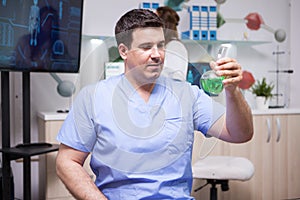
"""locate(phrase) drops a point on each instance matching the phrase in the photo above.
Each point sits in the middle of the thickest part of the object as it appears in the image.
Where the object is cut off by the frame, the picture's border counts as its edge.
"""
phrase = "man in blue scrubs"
(138, 126)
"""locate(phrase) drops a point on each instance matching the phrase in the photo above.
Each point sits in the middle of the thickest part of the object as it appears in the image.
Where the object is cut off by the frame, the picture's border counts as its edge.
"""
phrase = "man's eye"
(161, 46)
(147, 47)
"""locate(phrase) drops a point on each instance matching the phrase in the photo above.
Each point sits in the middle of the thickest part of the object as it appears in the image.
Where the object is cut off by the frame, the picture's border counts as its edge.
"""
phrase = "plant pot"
(262, 103)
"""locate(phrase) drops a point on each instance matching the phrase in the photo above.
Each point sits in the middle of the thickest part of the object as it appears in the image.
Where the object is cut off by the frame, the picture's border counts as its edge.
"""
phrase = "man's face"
(145, 58)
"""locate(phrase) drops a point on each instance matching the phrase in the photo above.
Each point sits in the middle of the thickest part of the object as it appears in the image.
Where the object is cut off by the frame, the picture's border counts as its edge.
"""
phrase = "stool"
(220, 169)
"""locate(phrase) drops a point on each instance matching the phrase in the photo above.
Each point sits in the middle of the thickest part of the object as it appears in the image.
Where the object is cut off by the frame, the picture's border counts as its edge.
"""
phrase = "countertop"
(48, 116)
(52, 116)
(276, 111)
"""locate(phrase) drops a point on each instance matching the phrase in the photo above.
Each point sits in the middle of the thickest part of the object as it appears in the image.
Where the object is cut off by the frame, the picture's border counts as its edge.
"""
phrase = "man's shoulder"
(175, 85)
(100, 85)
(170, 81)
(105, 83)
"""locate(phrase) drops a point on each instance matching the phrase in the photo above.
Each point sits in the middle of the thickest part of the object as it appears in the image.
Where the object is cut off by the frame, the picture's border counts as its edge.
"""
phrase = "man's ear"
(123, 49)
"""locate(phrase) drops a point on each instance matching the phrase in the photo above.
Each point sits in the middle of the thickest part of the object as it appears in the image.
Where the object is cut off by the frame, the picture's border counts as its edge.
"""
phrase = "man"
(139, 126)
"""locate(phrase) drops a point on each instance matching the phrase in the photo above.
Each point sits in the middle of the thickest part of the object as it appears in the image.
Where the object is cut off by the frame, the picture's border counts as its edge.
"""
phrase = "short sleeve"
(206, 111)
(78, 129)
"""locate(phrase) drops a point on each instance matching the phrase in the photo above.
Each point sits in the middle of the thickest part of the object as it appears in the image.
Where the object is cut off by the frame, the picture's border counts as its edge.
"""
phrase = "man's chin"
(156, 74)
(153, 76)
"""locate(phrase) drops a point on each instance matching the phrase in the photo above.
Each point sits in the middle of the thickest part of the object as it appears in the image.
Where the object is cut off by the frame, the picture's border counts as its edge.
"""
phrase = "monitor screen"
(40, 35)
(195, 70)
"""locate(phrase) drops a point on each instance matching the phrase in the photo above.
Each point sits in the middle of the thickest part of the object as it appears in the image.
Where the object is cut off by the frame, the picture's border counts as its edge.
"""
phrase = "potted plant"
(263, 92)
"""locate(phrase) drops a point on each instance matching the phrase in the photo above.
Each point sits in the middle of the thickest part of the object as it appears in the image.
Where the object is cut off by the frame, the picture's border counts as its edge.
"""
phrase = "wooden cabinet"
(50, 186)
(274, 152)
(293, 147)
(268, 153)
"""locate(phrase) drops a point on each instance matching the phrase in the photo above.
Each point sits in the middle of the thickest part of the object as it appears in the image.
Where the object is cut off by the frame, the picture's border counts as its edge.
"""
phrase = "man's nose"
(155, 52)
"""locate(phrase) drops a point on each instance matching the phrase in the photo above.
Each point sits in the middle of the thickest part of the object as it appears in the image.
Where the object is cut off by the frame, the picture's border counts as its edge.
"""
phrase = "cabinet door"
(259, 152)
(268, 152)
(280, 157)
(293, 156)
(51, 186)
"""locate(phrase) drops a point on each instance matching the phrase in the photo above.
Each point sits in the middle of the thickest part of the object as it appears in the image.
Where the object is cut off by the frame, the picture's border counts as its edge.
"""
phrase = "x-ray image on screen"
(40, 35)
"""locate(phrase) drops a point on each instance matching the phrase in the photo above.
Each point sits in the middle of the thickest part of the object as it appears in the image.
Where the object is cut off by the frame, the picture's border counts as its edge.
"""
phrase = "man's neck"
(143, 89)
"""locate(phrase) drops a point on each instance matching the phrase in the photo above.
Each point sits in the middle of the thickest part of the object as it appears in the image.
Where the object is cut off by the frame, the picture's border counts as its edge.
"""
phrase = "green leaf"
(262, 88)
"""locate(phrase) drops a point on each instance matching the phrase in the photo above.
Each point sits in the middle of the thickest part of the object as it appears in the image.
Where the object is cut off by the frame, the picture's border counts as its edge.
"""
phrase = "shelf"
(189, 41)
(27, 150)
(218, 42)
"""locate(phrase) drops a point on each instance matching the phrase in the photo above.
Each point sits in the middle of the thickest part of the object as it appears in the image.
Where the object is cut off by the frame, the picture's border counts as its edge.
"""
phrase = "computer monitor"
(40, 35)
(195, 70)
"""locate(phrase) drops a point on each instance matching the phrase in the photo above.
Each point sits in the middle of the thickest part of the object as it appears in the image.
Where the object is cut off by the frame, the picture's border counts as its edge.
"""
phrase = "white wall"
(106, 14)
(99, 19)
(295, 51)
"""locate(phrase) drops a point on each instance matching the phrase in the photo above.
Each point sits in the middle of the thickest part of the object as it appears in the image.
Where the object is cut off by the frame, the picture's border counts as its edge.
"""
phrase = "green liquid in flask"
(212, 85)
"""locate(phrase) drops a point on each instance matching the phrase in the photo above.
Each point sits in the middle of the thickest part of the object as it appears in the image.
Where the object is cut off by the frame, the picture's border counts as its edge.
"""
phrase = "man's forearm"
(239, 120)
(77, 181)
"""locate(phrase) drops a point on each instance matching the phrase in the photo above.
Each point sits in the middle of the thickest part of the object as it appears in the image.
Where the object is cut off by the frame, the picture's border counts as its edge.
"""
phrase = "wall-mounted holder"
(64, 88)
(278, 94)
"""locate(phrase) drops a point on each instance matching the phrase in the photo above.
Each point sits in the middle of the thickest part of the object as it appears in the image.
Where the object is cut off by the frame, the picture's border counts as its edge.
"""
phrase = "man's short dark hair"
(136, 18)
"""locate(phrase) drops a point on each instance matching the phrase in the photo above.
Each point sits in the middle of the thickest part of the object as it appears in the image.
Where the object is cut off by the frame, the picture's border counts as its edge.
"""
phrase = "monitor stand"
(24, 150)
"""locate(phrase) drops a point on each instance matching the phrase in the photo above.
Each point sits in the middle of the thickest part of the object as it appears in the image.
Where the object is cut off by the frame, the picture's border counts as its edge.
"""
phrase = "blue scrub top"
(140, 150)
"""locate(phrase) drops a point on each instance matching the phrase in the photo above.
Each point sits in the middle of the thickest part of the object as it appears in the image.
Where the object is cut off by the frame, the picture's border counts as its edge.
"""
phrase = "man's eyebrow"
(146, 43)
(151, 43)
